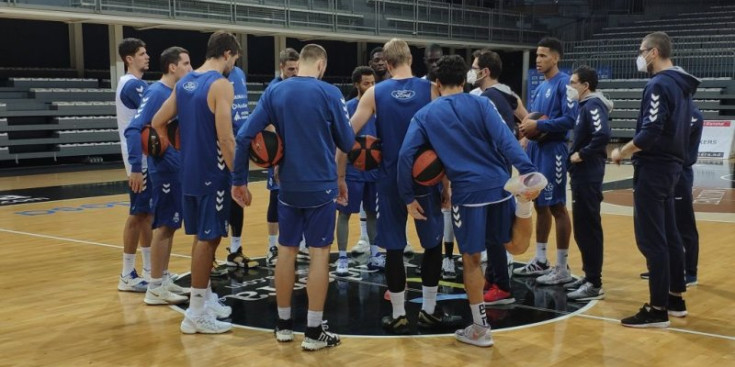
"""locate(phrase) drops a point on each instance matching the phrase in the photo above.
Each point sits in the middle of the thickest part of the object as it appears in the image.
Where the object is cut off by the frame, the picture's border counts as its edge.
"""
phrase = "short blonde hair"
(396, 52)
(312, 53)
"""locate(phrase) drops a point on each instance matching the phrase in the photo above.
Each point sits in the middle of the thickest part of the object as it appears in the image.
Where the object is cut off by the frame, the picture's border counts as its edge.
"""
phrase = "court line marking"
(579, 312)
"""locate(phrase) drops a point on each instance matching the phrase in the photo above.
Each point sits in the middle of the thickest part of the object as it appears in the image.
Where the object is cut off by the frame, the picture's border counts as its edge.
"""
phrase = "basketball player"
(484, 73)
(471, 138)
(587, 157)
(128, 97)
(311, 130)
(377, 63)
(553, 100)
(432, 54)
(683, 203)
(164, 172)
(395, 101)
(361, 185)
(203, 101)
(288, 63)
(240, 112)
(659, 148)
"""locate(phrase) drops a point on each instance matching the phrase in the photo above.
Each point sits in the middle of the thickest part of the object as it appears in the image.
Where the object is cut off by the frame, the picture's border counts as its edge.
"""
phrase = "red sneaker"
(497, 296)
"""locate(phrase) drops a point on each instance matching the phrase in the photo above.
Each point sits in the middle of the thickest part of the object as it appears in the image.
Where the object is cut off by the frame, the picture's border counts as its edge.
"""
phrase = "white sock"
(524, 210)
(235, 243)
(561, 257)
(429, 294)
(272, 239)
(209, 289)
(478, 315)
(128, 263)
(541, 252)
(343, 253)
(398, 301)
(314, 318)
(374, 250)
(155, 283)
(448, 230)
(284, 313)
(363, 224)
(146, 252)
(166, 275)
(197, 301)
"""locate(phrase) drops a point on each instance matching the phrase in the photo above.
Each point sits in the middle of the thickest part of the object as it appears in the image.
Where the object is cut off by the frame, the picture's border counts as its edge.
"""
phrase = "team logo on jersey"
(403, 94)
(548, 93)
(190, 86)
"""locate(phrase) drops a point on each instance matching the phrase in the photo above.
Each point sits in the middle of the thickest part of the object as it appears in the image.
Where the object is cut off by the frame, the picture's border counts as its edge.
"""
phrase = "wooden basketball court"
(60, 305)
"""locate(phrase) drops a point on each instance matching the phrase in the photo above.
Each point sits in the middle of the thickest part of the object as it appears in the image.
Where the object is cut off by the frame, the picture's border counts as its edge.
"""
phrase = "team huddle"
(201, 121)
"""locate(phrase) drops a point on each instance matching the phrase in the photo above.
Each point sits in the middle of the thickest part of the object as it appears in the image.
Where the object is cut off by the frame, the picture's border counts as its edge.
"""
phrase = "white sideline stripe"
(561, 318)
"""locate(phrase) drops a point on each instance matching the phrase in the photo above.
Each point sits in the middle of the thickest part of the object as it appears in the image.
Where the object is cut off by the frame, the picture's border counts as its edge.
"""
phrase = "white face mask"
(572, 94)
(641, 63)
(471, 77)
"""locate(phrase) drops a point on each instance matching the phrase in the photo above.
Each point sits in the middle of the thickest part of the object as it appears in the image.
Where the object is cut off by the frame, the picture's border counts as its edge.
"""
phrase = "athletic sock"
(146, 254)
(155, 283)
(363, 225)
(272, 239)
(197, 301)
(284, 313)
(524, 209)
(429, 294)
(235, 244)
(128, 264)
(561, 257)
(314, 318)
(478, 314)
(398, 300)
(541, 252)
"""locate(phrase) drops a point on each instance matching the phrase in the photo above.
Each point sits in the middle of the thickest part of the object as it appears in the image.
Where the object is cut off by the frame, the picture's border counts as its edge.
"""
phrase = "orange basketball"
(366, 153)
(266, 149)
(153, 145)
(535, 134)
(428, 170)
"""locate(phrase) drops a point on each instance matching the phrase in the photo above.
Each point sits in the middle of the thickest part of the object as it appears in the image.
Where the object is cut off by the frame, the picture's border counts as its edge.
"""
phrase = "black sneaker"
(677, 306)
(318, 337)
(438, 320)
(217, 270)
(645, 275)
(647, 317)
(272, 256)
(237, 259)
(396, 326)
(284, 330)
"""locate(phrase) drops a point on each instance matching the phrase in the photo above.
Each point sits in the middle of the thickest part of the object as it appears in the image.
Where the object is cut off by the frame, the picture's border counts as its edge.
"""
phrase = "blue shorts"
(477, 228)
(207, 216)
(392, 215)
(551, 160)
(167, 201)
(142, 202)
(315, 225)
(360, 192)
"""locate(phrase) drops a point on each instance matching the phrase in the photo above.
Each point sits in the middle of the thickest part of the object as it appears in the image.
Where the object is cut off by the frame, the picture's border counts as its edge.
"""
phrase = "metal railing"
(414, 18)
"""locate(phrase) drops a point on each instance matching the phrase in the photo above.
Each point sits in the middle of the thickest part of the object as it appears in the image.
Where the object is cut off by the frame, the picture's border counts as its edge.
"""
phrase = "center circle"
(355, 303)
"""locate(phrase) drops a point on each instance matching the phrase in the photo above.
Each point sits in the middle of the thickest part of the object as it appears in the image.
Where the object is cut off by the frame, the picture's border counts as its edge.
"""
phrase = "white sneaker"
(377, 262)
(448, 271)
(217, 307)
(343, 266)
(175, 288)
(408, 250)
(361, 247)
(162, 296)
(587, 292)
(205, 323)
(557, 275)
(533, 267)
(526, 187)
(132, 283)
(475, 335)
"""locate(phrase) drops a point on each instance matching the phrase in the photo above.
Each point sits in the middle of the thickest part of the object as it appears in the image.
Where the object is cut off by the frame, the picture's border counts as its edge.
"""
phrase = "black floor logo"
(356, 303)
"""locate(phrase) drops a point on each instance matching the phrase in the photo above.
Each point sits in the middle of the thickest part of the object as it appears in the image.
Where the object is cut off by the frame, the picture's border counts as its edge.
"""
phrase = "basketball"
(366, 153)
(428, 170)
(535, 134)
(173, 134)
(152, 144)
(266, 149)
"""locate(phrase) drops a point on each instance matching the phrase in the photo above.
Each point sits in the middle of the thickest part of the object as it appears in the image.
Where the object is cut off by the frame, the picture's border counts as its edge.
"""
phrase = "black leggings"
(236, 218)
(272, 216)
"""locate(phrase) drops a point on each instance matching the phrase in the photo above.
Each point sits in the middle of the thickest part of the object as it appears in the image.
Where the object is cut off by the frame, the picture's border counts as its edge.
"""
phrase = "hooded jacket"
(591, 135)
(506, 102)
(663, 127)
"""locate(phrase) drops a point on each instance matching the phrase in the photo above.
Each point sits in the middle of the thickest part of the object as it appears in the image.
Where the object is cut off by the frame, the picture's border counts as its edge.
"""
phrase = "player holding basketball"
(659, 148)
(472, 140)
(394, 102)
(311, 130)
(360, 185)
(550, 156)
(128, 97)
(587, 168)
(164, 172)
(203, 101)
(289, 66)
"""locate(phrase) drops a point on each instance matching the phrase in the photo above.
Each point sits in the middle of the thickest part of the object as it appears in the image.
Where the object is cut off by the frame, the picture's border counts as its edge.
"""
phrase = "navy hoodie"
(662, 130)
(591, 135)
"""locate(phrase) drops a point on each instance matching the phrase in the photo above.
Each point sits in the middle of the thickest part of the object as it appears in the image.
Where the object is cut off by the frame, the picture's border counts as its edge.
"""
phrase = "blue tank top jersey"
(205, 170)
